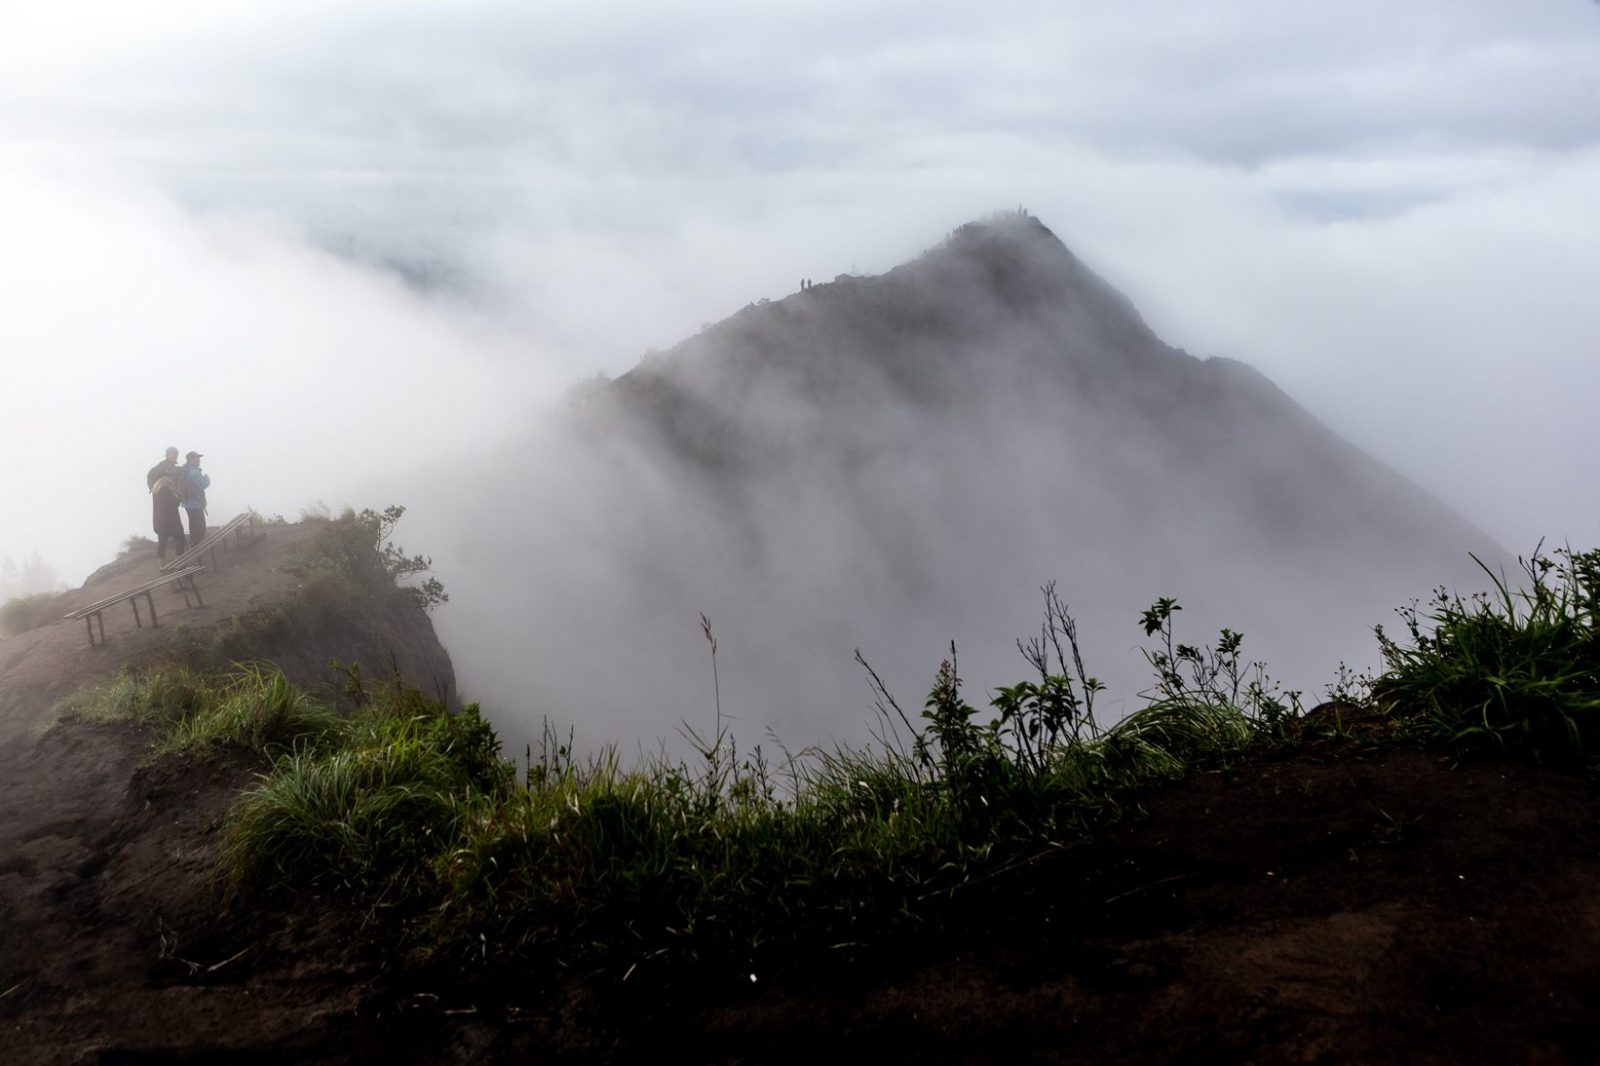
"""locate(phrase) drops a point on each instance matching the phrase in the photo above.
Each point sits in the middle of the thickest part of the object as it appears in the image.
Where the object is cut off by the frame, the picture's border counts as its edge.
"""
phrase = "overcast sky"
(322, 243)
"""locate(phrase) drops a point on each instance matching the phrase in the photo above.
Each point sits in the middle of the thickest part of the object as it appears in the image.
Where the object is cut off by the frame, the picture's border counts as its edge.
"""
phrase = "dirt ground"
(1347, 903)
(42, 665)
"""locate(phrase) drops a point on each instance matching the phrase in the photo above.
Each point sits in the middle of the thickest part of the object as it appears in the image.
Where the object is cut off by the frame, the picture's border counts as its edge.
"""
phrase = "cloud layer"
(329, 245)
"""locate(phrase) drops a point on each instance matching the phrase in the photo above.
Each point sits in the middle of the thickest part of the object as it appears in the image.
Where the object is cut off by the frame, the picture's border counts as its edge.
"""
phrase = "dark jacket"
(165, 468)
(164, 510)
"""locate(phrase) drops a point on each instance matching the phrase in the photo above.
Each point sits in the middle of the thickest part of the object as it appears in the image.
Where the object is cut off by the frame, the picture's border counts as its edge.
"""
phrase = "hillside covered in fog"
(899, 461)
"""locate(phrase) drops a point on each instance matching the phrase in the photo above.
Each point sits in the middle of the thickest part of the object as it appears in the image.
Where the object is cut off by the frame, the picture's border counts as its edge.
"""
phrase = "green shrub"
(1516, 669)
(356, 547)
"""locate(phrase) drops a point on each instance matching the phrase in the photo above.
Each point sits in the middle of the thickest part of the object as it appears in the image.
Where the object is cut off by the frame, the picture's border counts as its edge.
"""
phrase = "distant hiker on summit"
(167, 467)
(192, 485)
(164, 515)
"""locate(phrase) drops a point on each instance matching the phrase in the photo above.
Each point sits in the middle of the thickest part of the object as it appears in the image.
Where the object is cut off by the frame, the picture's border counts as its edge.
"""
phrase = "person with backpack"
(167, 467)
(192, 485)
(164, 516)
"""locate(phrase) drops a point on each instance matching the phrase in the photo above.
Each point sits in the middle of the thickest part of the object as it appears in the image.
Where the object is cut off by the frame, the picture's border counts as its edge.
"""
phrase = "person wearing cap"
(167, 467)
(192, 485)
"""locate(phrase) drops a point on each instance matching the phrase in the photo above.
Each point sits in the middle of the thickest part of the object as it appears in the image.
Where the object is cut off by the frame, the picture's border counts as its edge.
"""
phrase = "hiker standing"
(192, 485)
(167, 467)
(164, 515)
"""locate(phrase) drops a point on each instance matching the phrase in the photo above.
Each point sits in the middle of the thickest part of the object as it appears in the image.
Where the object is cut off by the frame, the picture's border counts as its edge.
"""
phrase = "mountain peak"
(1026, 266)
(1000, 296)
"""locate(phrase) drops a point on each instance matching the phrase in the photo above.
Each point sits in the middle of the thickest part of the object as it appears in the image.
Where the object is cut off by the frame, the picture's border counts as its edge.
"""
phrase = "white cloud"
(132, 325)
(209, 208)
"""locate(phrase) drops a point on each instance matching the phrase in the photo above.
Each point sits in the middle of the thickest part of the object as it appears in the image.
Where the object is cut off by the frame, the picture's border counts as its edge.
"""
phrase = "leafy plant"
(1213, 676)
(1515, 668)
(1059, 707)
(358, 547)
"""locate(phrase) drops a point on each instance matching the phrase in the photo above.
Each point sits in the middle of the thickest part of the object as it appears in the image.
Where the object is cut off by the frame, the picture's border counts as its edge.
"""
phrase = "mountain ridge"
(894, 461)
(917, 331)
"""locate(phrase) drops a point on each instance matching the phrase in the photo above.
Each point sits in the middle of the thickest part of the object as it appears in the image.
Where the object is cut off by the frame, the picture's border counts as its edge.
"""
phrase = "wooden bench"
(239, 526)
(92, 615)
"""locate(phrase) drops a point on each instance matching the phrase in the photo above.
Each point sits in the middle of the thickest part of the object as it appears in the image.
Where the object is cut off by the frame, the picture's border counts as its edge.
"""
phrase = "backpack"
(165, 466)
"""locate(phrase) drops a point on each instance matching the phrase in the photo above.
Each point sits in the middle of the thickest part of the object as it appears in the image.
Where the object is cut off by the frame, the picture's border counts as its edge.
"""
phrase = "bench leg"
(88, 624)
(100, 623)
(152, 602)
(134, 600)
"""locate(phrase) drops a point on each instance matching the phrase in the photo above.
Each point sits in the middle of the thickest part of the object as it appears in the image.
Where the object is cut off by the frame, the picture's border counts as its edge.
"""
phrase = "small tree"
(358, 546)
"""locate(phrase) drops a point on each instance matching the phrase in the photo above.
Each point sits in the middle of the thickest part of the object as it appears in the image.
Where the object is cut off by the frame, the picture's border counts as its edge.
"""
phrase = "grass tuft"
(256, 709)
(161, 696)
(370, 807)
(1516, 669)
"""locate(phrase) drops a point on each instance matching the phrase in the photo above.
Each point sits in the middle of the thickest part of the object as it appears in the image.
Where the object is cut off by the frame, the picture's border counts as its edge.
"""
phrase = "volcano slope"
(1342, 894)
(892, 462)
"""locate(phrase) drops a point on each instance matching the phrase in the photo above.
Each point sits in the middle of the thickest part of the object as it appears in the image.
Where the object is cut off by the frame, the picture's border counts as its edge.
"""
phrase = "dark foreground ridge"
(1349, 902)
(1363, 883)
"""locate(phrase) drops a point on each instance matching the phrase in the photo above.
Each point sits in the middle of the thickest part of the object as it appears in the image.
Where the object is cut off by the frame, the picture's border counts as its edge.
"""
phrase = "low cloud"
(334, 247)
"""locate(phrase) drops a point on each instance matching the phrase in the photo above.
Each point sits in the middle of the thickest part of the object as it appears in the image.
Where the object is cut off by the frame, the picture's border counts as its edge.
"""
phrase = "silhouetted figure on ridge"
(192, 485)
(167, 467)
(164, 516)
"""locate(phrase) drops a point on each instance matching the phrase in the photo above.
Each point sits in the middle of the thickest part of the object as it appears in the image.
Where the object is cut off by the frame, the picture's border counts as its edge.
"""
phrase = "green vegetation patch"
(355, 556)
(1517, 669)
(348, 571)
(726, 856)
(255, 708)
(372, 810)
(157, 697)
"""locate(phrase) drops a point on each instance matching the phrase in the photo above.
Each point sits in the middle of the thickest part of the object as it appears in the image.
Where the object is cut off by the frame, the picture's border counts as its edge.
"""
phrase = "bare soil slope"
(42, 665)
